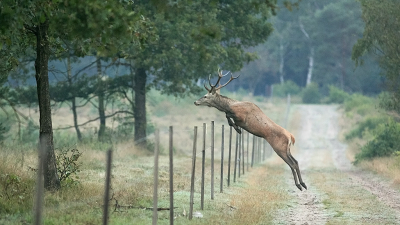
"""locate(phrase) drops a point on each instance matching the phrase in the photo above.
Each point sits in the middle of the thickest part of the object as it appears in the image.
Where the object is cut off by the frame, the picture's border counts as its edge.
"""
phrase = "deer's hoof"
(304, 185)
(299, 187)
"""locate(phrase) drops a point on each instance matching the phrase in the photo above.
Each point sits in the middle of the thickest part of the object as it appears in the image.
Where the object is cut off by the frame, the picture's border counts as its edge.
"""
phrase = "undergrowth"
(376, 131)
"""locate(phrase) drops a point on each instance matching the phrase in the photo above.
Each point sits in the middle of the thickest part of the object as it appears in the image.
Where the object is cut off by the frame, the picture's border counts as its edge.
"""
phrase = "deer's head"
(213, 92)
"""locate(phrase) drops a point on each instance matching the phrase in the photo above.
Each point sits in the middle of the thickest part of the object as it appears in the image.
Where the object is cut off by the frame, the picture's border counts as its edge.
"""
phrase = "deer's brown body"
(251, 118)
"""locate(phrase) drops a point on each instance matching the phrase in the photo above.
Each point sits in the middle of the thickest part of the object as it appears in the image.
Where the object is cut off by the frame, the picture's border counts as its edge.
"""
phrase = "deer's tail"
(292, 140)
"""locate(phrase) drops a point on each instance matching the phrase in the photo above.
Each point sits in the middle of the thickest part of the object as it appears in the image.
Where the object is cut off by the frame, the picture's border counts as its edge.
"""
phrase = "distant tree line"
(313, 44)
(163, 45)
(101, 52)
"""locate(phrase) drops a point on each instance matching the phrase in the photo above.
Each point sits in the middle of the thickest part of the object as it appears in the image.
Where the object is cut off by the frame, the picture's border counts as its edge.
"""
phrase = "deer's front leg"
(232, 124)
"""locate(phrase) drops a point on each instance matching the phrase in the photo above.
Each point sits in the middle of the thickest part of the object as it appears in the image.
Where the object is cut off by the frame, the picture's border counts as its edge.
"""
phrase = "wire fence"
(256, 151)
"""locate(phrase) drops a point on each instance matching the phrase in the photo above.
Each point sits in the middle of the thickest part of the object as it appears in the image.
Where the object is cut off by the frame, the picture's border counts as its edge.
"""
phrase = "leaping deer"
(250, 117)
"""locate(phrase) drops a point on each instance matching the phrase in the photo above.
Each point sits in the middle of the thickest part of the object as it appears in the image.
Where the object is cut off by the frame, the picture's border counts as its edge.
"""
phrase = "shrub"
(15, 193)
(337, 95)
(369, 124)
(288, 87)
(357, 101)
(385, 143)
(68, 166)
(311, 94)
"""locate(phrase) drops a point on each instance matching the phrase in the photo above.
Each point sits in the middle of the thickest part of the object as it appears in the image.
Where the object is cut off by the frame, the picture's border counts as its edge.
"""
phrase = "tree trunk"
(139, 110)
(51, 179)
(102, 114)
(73, 101)
(311, 59)
(310, 67)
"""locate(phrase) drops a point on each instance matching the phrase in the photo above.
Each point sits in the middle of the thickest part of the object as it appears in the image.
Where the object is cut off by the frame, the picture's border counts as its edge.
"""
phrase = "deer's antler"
(230, 79)
(220, 75)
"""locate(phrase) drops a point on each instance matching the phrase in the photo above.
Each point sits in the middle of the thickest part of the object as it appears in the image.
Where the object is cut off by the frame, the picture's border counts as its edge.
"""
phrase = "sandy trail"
(322, 157)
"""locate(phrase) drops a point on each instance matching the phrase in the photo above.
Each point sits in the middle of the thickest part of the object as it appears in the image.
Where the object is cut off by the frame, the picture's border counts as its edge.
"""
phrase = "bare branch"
(92, 120)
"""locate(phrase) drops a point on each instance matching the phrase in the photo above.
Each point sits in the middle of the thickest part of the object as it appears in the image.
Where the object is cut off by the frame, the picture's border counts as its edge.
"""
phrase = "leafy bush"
(369, 124)
(311, 94)
(385, 143)
(68, 166)
(15, 193)
(288, 87)
(358, 101)
(389, 101)
(337, 95)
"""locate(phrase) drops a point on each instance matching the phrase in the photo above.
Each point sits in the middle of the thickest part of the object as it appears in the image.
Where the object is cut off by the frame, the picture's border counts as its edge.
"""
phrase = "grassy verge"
(253, 199)
(363, 126)
(347, 203)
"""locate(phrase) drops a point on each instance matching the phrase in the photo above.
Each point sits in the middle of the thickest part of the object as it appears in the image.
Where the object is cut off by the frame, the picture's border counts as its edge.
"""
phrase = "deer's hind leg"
(283, 154)
(295, 164)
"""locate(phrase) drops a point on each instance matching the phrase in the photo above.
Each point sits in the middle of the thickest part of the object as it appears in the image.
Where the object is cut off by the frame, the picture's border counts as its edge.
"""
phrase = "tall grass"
(132, 173)
(373, 135)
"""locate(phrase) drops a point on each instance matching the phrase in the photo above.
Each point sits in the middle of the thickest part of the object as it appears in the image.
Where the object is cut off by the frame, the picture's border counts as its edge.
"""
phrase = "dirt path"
(338, 192)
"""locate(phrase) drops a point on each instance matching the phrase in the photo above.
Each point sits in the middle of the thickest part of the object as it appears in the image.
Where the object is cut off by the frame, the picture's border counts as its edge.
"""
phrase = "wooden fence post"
(107, 187)
(264, 149)
(239, 161)
(221, 185)
(259, 150)
(193, 174)
(212, 160)
(203, 166)
(236, 156)
(39, 195)
(248, 143)
(252, 152)
(287, 111)
(171, 176)
(229, 156)
(155, 188)
(242, 151)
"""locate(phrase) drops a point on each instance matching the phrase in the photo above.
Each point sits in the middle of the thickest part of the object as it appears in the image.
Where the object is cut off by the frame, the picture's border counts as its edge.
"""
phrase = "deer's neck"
(223, 103)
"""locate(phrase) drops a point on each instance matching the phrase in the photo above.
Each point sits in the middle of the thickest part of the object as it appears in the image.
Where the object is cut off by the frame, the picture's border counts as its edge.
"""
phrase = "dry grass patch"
(347, 202)
(387, 166)
(258, 201)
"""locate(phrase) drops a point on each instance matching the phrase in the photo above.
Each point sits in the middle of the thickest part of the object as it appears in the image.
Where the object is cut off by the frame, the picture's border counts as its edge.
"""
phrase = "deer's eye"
(205, 97)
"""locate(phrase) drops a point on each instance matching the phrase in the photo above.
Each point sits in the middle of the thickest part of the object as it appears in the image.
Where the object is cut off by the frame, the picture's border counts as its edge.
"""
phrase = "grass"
(387, 166)
(357, 113)
(252, 199)
(349, 203)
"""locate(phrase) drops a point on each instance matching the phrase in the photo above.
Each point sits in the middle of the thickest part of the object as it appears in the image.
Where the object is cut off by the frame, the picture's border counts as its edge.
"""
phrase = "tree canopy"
(313, 43)
(381, 37)
(42, 28)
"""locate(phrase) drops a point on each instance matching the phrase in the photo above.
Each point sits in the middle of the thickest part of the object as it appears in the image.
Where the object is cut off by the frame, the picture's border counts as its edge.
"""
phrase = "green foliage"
(288, 87)
(382, 19)
(385, 143)
(15, 193)
(3, 131)
(311, 95)
(68, 166)
(389, 101)
(329, 28)
(367, 125)
(360, 102)
(337, 95)
(29, 133)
